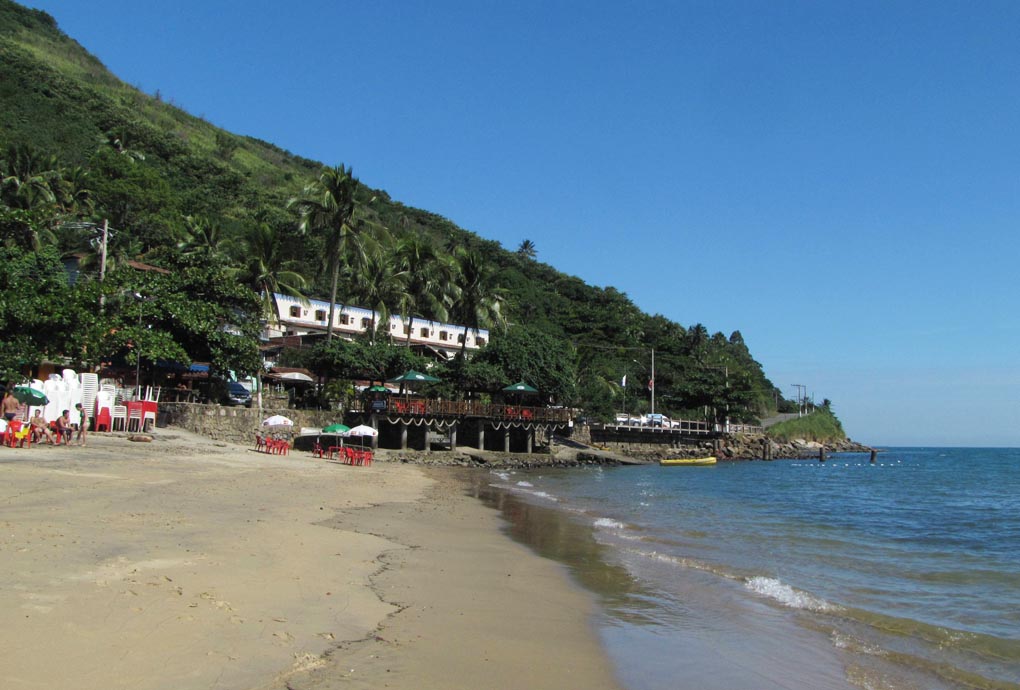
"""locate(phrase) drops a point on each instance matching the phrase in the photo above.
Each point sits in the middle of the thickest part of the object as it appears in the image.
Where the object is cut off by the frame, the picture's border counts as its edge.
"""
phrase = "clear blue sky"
(838, 181)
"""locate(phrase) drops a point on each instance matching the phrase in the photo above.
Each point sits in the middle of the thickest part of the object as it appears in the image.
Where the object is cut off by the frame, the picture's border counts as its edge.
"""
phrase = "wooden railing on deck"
(424, 407)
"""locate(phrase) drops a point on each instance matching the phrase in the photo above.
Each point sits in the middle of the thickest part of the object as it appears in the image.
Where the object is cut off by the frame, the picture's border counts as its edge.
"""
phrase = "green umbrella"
(378, 389)
(520, 387)
(414, 376)
(335, 429)
(29, 395)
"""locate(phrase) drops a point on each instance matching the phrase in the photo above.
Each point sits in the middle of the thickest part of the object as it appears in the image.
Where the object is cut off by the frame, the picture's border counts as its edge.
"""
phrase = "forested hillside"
(228, 217)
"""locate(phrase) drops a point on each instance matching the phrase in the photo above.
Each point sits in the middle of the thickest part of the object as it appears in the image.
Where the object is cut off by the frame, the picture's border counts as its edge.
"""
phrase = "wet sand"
(184, 563)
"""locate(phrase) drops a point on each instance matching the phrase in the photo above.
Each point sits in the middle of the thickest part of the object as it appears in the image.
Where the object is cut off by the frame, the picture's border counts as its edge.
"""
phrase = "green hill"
(174, 186)
(820, 425)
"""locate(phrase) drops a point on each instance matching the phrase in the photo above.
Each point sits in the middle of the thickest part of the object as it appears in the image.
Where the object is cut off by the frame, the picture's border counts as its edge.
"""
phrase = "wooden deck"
(425, 407)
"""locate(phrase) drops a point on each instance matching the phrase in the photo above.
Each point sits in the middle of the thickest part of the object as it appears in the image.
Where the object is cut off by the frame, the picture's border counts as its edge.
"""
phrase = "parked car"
(657, 420)
(237, 395)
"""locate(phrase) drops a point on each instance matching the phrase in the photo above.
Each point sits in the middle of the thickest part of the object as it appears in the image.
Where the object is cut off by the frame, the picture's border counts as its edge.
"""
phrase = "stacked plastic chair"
(89, 392)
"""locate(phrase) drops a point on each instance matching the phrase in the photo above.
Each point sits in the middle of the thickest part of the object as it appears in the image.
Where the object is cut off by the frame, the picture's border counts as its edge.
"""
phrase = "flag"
(623, 382)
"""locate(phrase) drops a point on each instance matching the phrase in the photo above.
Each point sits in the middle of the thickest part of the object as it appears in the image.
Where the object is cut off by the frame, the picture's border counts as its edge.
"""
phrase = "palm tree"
(382, 287)
(330, 206)
(263, 267)
(527, 250)
(428, 279)
(479, 299)
(203, 238)
(27, 177)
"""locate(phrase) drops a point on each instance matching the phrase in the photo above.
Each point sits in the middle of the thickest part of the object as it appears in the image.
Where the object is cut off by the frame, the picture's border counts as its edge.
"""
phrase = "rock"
(140, 438)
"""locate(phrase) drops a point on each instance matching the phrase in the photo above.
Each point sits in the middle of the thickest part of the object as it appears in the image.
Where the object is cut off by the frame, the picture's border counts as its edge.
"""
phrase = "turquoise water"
(797, 574)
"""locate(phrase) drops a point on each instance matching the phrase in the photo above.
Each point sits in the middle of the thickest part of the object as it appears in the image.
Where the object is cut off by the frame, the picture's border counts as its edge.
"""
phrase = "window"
(480, 342)
(407, 329)
(295, 312)
(366, 322)
(320, 314)
(443, 335)
(425, 333)
(460, 339)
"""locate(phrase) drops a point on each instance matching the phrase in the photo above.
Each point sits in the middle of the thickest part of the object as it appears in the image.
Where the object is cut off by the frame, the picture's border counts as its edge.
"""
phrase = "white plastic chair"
(134, 417)
(119, 413)
(148, 416)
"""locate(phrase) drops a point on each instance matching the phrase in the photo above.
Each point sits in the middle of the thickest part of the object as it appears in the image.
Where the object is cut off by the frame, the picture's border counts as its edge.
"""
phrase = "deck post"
(481, 434)
(403, 436)
(506, 440)
(821, 454)
(453, 436)
(873, 454)
(375, 425)
(530, 433)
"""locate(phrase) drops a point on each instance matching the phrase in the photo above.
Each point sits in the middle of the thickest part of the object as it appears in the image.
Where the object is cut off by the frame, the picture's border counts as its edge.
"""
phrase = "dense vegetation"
(820, 425)
(230, 218)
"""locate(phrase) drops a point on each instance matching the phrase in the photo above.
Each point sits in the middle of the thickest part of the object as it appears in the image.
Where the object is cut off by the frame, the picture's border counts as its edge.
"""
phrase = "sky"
(837, 181)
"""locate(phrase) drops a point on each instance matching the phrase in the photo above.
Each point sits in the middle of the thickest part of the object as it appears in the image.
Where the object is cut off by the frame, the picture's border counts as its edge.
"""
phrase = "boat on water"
(693, 462)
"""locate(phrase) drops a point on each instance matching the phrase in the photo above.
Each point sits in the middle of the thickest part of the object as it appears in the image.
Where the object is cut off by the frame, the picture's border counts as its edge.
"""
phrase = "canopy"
(362, 430)
(296, 376)
(413, 376)
(520, 387)
(29, 395)
(277, 420)
(336, 429)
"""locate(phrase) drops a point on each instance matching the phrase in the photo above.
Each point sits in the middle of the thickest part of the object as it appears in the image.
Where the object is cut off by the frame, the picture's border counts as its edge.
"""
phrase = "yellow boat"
(696, 462)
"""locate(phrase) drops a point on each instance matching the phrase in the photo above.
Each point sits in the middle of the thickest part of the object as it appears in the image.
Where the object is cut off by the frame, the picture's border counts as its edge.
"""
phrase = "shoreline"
(191, 563)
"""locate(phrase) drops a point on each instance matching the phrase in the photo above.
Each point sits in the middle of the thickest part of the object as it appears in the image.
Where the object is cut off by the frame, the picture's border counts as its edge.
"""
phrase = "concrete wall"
(236, 424)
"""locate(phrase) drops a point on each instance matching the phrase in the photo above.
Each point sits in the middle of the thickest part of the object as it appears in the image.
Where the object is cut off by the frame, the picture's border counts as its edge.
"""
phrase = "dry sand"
(185, 563)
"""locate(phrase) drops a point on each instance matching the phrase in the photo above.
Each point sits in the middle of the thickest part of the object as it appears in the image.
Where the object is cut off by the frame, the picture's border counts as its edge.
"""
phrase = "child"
(83, 423)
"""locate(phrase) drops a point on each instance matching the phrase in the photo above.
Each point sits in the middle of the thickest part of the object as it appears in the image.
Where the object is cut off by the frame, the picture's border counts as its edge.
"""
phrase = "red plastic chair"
(103, 420)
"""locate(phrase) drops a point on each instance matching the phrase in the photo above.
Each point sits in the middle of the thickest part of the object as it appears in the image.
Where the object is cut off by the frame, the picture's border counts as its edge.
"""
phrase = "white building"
(312, 318)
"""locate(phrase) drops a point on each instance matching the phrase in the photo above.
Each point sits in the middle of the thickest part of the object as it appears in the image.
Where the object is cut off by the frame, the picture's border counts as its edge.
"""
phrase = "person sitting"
(63, 427)
(40, 428)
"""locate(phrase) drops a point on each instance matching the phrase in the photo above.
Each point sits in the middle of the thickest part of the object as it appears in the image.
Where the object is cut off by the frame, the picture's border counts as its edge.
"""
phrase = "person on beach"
(40, 427)
(10, 406)
(63, 425)
(83, 423)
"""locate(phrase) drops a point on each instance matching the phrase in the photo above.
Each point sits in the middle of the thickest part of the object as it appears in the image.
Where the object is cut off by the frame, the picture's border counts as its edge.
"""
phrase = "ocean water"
(898, 575)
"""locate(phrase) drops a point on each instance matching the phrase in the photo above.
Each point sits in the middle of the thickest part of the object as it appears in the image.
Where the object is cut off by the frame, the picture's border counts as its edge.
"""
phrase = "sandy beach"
(185, 563)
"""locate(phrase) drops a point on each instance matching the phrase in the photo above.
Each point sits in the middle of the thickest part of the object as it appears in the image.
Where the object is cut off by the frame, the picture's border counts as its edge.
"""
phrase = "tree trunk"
(332, 299)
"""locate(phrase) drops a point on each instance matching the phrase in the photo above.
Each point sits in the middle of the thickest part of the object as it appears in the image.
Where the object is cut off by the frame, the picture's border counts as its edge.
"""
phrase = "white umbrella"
(277, 420)
(296, 376)
(361, 430)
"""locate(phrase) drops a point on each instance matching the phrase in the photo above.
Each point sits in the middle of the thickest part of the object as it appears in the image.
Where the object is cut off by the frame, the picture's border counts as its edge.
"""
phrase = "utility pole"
(800, 397)
(651, 383)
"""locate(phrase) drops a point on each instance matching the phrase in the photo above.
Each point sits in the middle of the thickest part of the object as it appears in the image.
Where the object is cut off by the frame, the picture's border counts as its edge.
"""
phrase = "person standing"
(10, 405)
(83, 423)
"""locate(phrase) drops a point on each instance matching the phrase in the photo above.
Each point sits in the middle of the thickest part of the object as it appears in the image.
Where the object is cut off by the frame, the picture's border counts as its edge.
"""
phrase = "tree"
(382, 287)
(262, 267)
(527, 250)
(479, 299)
(427, 279)
(330, 206)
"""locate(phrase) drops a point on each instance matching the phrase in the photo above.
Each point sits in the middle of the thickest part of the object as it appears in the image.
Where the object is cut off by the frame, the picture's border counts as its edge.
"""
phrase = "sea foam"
(787, 595)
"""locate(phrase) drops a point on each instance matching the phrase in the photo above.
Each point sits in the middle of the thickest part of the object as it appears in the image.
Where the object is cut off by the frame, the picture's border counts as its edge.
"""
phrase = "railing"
(424, 407)
(678, 426)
